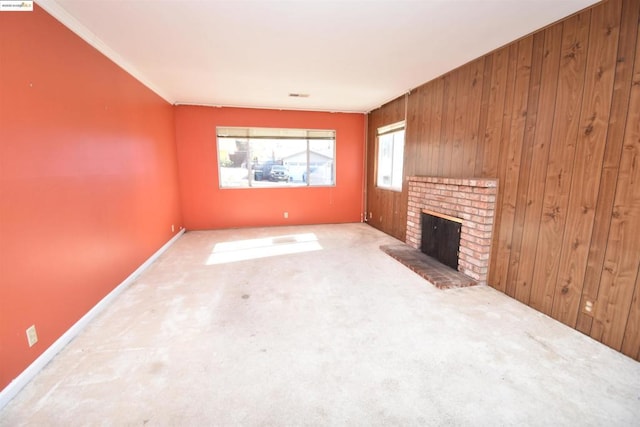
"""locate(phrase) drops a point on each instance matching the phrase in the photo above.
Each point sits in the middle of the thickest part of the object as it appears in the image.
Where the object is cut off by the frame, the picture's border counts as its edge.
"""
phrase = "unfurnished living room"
(319, 212)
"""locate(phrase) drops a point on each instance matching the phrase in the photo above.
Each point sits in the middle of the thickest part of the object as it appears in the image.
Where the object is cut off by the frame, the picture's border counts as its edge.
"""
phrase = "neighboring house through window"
(275, 157)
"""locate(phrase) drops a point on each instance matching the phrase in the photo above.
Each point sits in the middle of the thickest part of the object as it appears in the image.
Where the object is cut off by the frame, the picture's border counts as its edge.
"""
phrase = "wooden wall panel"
(531, 205)
(384, 207)
(613, 151)
(454, 166)
(498, 275)
(445, 148)
(622, 256)
(432, 134)
(472, 113)
(485, 103)
(575, 36)
(587, 168)
(491, 129)
(531, 114)
(509, 171)
(631, 342)
(416, 115)
(427, 121)
(555, 116)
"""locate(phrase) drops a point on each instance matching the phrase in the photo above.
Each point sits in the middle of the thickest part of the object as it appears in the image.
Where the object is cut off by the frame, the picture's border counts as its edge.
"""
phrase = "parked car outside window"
(279, 173)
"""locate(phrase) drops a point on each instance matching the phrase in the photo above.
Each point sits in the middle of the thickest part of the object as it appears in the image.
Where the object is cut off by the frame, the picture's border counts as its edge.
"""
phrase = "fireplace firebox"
(441, 238)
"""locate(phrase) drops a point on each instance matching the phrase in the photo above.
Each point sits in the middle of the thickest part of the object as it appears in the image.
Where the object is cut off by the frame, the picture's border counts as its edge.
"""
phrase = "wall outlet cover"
(32, 335)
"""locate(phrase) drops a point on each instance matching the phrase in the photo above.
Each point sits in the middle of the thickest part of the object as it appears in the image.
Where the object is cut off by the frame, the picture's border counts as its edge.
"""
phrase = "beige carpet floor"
(314, 325)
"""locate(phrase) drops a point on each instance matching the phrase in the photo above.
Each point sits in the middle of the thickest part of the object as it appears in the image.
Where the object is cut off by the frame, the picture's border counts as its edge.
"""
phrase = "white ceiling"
(348, 55)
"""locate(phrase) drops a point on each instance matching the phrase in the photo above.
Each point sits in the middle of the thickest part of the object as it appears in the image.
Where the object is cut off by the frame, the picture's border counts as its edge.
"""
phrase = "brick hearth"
(470, 199)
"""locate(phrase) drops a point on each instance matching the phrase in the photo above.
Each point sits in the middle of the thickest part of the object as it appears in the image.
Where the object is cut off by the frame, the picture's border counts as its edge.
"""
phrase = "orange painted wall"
(206, 206)
(88, 181)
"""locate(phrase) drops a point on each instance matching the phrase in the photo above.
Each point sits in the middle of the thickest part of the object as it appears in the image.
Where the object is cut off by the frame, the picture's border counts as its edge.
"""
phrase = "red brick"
(483, 190)
(481, 205)
(482, 219)
(470, 210)
(480, 248)
(477, 233)
(486, 243)
(488, 198)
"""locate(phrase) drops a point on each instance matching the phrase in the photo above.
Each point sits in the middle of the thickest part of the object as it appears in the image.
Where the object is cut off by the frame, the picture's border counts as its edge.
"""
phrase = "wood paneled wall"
(555, 117)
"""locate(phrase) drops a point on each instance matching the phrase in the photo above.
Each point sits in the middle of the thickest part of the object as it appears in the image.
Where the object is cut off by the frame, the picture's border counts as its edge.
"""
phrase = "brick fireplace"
(470, 199)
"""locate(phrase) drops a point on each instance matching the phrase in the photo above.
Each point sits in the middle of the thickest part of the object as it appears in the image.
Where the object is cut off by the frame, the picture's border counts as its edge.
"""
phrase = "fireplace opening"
(441, 237)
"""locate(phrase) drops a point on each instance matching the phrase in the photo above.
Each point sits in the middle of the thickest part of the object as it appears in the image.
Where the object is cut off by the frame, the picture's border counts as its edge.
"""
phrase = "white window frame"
(390, 156)
(316, 173)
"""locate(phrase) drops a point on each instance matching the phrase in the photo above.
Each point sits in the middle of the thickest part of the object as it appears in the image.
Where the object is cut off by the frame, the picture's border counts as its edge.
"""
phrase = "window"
(390, 156)
(270, 157)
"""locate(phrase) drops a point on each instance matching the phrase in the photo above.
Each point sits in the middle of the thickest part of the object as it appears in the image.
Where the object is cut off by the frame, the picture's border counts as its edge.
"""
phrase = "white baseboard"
(11, 390)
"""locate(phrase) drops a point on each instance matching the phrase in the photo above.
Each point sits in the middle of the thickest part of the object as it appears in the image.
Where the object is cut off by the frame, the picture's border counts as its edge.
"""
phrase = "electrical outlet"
(588, 306)
(32, 335)
(286, 214)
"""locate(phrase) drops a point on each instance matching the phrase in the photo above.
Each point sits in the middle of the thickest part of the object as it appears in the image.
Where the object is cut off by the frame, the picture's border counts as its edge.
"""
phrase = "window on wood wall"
(390, 156)
(275, 157)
